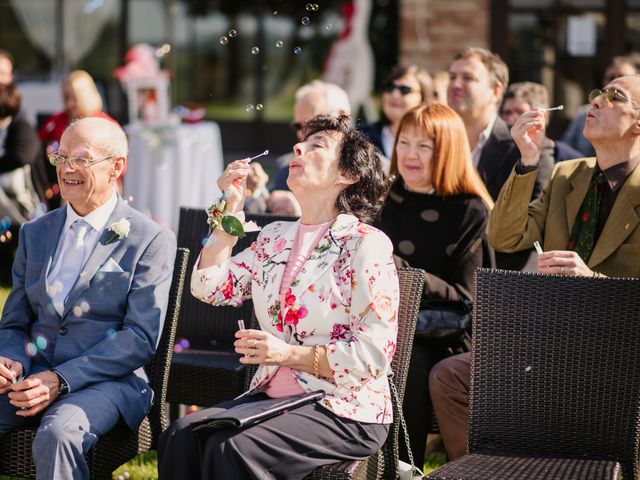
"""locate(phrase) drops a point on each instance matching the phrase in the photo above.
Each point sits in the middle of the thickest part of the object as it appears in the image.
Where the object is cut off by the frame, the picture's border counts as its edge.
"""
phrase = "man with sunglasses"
(618, 67)
(85, 313)
(586, 221)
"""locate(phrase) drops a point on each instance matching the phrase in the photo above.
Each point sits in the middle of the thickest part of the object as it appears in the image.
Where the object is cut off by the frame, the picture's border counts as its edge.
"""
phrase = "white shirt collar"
(482, 139)
(484, 135)
(387, 141)
(97, 218)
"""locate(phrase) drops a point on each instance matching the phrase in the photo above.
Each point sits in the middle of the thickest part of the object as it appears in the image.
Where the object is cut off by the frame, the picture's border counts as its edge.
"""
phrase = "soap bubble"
(233, 33)
(275, 12)
(315, 7)
(111, 334)
(305, 20)
(279, 44)
(77, 311)
(255, 50)
(259, 106)
(297, 50)
(309, 7)
(41, 342)
(328, 26)
(224, 40)
(250, 108)
(31, 349)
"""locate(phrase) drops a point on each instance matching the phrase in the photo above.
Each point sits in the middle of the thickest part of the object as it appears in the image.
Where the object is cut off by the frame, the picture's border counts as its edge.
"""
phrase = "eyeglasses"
(55, 159)
(612, 95)
(403, 89)
(296, 126)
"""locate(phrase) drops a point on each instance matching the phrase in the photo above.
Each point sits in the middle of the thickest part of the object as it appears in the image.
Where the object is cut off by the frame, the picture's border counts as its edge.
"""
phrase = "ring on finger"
(252, 343)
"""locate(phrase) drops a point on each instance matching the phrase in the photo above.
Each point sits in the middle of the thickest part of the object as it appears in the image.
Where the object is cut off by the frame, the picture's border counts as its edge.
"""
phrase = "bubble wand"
(248, 160)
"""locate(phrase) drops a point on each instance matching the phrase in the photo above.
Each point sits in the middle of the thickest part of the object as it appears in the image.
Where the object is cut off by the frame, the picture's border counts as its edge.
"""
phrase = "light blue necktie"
(69, 265)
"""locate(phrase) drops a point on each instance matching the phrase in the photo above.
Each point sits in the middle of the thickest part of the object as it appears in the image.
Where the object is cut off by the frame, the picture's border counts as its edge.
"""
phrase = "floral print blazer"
(345, 297)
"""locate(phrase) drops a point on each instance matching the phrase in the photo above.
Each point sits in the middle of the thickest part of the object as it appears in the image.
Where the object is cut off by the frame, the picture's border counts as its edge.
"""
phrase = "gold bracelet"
(316, 358)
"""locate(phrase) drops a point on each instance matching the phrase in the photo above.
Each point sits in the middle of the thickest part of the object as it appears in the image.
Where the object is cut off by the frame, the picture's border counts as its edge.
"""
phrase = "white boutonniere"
(119, 230)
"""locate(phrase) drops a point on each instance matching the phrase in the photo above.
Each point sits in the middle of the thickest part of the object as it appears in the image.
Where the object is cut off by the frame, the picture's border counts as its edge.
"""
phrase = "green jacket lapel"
(622, 220)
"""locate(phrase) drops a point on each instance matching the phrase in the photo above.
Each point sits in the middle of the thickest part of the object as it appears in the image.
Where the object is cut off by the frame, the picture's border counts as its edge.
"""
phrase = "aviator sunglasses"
(612, 95)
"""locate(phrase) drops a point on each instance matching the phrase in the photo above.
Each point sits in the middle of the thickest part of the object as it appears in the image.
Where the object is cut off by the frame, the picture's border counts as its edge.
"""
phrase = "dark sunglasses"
(612, 95)
(296, 126)
(390, 87)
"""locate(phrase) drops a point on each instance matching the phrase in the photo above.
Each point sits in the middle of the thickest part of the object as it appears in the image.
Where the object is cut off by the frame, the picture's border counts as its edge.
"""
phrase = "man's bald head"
(104, 136)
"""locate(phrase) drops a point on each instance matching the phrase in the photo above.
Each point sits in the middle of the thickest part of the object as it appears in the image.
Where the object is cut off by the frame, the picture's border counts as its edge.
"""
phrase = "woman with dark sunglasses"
(403, 89)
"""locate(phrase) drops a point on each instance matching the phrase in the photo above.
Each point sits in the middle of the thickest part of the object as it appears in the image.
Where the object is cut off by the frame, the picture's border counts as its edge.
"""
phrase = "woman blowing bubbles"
(325, 291)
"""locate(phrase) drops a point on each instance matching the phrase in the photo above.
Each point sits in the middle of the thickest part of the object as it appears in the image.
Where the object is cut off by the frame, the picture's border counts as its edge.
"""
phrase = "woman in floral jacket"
(325, 291)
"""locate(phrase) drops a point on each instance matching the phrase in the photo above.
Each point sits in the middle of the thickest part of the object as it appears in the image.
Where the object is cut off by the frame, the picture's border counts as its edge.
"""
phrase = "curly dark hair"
(357, 160)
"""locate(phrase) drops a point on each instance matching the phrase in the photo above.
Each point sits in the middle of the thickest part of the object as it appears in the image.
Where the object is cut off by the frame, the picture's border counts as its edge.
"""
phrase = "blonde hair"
(452, 172)
(88, 98)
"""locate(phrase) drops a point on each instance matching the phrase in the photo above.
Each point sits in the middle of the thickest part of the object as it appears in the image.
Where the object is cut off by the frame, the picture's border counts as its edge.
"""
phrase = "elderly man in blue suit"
(90, 291)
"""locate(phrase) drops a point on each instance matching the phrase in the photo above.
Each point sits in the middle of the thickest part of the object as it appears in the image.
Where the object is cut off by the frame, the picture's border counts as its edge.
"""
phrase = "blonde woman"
(81, 99)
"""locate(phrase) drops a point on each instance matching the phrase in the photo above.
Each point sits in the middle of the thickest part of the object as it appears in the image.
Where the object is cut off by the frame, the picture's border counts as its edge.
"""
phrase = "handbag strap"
(394, 391)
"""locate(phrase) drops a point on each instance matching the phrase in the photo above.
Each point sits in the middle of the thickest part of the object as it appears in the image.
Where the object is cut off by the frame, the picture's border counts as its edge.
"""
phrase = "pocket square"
(110, 266)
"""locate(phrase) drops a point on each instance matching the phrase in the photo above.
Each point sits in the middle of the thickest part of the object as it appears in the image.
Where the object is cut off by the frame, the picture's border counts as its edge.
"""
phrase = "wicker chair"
(208, 372)
(555, 379)
(120, 444)
(383, 464)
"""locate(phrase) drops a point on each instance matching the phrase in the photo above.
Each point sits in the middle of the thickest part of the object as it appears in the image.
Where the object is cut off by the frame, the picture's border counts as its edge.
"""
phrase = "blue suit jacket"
(106, 345)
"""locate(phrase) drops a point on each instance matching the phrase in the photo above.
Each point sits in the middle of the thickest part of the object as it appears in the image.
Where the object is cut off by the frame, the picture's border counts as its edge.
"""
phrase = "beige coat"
(515, 222)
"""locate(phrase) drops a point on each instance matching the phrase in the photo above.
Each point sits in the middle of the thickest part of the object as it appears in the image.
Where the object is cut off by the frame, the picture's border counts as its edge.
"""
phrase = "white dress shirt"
(482, 140)
(97, 220)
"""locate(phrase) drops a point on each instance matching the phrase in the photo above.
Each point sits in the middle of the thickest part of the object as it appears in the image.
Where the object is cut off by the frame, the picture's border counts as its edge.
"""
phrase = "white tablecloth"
(173, 166)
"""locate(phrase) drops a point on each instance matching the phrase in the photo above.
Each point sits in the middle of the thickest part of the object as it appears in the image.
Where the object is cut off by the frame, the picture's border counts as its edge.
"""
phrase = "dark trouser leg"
(290, 446)
(449, 385)
(179, 449)
(417, 407)
(285, 447)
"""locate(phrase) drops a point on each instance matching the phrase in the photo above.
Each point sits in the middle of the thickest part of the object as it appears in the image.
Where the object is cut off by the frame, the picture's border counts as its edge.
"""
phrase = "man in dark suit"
(478, 79)
(90, 290)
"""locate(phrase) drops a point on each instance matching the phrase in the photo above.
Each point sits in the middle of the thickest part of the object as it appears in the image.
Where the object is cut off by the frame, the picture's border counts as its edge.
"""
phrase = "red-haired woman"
(436, 214)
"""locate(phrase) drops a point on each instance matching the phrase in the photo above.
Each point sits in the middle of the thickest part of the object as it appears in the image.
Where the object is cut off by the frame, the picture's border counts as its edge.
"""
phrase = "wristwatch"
(63, 389)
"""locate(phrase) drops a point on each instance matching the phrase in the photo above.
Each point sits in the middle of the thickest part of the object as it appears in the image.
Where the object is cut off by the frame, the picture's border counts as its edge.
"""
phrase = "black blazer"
(499, 156)
(21, 146)
(373, 131)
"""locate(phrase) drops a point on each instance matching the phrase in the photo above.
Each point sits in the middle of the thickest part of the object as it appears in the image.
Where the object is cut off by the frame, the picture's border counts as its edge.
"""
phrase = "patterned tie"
(583, 233)
(68, 266)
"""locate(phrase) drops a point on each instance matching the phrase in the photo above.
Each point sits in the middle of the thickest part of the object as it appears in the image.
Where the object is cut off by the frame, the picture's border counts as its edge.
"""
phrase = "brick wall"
(432, 31)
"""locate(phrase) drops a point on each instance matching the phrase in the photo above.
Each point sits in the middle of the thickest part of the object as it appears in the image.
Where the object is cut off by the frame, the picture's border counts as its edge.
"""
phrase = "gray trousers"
(288, 446)
(66, 432)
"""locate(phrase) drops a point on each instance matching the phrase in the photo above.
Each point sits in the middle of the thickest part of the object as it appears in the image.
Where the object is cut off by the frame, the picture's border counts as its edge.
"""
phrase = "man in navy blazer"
(90, 291)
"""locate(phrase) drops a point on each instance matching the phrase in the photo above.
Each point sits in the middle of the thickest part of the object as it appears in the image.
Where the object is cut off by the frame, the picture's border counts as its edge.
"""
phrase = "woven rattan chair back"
(120, 444)
(203, 325)
(556, 367)
(384, 464)
(208, 371)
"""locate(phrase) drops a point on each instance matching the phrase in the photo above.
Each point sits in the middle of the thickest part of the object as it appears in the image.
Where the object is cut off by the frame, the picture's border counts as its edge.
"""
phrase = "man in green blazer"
(588, 221)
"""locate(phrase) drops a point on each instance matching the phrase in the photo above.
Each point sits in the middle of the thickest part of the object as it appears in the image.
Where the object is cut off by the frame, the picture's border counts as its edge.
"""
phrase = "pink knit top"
(284, 382)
